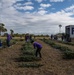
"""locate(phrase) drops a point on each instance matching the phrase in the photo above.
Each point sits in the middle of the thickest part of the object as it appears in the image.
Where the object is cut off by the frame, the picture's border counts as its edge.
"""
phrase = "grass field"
(51, 62)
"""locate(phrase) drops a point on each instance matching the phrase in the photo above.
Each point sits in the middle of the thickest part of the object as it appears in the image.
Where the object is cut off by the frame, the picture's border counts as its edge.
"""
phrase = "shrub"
(28, 58)
(28, 65)
(68, 53)
(28, 52)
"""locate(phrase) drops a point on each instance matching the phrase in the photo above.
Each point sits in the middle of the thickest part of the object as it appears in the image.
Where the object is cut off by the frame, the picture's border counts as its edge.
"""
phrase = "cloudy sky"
(36, 16)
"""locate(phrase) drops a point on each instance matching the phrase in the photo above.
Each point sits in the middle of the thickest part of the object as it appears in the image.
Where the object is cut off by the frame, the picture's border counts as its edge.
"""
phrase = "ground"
(52, 61)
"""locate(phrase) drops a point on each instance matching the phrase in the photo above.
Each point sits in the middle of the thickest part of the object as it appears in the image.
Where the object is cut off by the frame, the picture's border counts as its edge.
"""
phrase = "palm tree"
(2, 28)
(11, 31)
(60, 28)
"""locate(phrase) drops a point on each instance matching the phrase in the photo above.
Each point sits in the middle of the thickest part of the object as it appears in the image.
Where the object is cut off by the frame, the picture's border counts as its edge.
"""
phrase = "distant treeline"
(22, 35)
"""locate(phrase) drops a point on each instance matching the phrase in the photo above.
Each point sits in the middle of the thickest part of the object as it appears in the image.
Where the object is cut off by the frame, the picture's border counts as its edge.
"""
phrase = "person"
(38, 48)
(51, 36)
(55, 37)
(0, 43)
(30, 37)
(27, 38)
(8, 39)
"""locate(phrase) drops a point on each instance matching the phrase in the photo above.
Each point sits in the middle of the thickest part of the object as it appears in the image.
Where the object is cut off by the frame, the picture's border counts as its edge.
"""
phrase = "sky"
(36, 16)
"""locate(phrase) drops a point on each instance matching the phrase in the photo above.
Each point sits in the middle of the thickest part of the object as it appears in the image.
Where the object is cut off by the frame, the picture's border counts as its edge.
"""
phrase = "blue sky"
(36, 16)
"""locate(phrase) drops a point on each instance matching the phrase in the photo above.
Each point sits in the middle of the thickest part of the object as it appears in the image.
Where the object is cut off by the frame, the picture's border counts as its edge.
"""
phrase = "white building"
(70, 30)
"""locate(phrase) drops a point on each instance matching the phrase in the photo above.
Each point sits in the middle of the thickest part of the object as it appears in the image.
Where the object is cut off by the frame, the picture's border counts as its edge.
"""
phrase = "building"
(69, 30)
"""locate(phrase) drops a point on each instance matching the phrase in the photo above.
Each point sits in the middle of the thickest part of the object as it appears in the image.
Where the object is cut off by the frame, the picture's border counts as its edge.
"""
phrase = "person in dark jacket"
(27, 38)
(38, 48)
(0, 43)
(8, 39)
(51, 36)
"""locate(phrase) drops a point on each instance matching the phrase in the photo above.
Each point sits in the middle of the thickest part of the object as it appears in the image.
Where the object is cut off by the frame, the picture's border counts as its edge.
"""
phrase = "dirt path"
(55, 63)
(7, 56)
(52, 61)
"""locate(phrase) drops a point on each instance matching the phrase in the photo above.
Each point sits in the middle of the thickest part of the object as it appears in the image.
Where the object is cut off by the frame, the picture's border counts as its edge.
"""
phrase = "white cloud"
(9, 2)
(56, 0)
(38, 22)
(28, 3)
(71, 8)
(25, 8)
(42, 12)
(28, 7)
(45, 5)
(39, 1)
